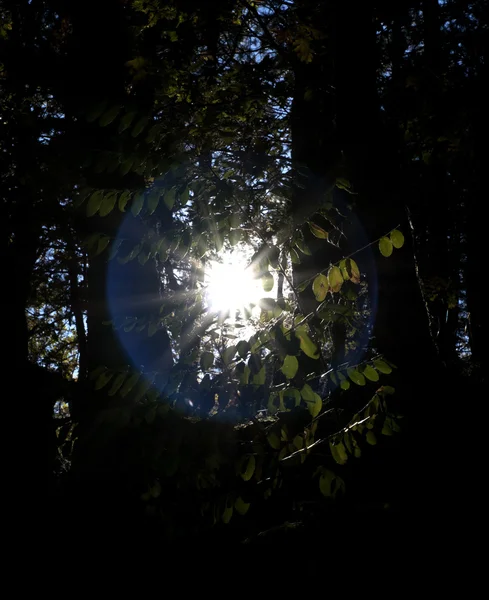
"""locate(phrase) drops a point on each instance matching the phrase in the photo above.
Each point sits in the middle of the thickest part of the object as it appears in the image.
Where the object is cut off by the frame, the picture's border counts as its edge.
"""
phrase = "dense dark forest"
(328, 159)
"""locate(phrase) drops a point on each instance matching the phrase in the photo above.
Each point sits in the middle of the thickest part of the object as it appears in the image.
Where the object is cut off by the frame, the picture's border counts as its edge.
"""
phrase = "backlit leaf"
(123, 200)
(307, 345)
(354, 271)
(382, 366)
(320, 287)
(338, 452)
(290, 366)
(315, 406)
(267, 282)
(335, 279)
(249, 468)
(319, 232)
(356, 376)
(385, 247)
(267, 303)
(241, 506)
(371, 373)
(397, 238)
(303, 247)
(228, 354)
(294, 257)
(371, 437)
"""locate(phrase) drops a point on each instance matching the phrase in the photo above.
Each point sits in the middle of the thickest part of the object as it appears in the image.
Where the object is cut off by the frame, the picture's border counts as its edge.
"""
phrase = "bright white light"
(231, 285)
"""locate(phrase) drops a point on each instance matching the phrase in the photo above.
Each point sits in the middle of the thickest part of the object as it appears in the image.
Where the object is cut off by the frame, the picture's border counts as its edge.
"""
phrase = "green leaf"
(290, 366)
(294, 257)
(385, 247)
(267, 282)
(153, 199)
(123, 199)
(260, 377)
(227, 514)
(169, 198)
(319, 232)
(315, 406)
(354, 271)
(273, 440)
(137, 204)
(235, 220)
(382, 366)
(96, 111)
(241, 506)
(320, 287)
(249, 468)
(153, 328)
(206, 360)
(126, 121)
(235, 237)
(184, 196)
(303, 247)
(103, 379)
(335, 279)
(273, 256)
(356, 376)
(109, 116)
(345, 384)
(338, 452)
(307, 345)
(103, 242)
(326, 480)
(243, 348)
(129, 384)
(94, 203)
(397, 238)
(116, 384)
(307, 393)
(108, 203)
(267, 303)
(126, 166)
(228, 354)
(371, 373)
(140, 125)
(371, 437)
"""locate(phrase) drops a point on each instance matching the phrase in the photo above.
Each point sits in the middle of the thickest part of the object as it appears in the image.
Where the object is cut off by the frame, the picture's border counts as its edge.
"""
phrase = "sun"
(230, 284)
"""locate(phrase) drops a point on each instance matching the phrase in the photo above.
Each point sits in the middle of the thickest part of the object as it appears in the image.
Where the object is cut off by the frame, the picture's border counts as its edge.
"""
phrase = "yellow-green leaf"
(108, 203)
(290, 366)
(303, 247)
(227, 514)
(259, 378)
(356, 376)
(338, 452)
(326, 480)
(320, 287)
(169, 198)
(371, 437)
(153, 199)
(397, 238)
(126, 166)
(126, 121)
(129, 384)
(371, 373)
(249, 467)
(235, 237)
(123, 199)
(117, 383)
(315, 406)
(307, 345)
(103, 379)
(335, 279)
(241, 506)
(319, 232)
(307, 393)
(140, 125)
(294, 257)
(94, 203)
(137, 204)
(103, 242)
(382, 366)
(273, 440)
(355, 271)
(385, 247)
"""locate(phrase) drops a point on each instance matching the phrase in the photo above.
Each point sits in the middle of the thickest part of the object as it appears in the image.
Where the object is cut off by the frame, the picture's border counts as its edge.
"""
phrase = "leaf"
(335, 279)
(137, 204)
(227, 514)
(103, 379)
(228, 354)
(397, 238)
(94, 203)
(260, 377)
(315, 406)
(356, 376)
(206, 360)
(108, 203)
(371, 437)
(267, 282)
(355, 271)
(123, 199)
(109, 116)
(385, 247)
(303, 247)
(116, 384)
(382, 366)
(294, 257)
(126, 166)
(243, 348)
(290, 366)
(320, 287)
(129, 384)
(326, 480)
(241, 506)
(298, 442)
(184, 196)
(307, 345)
(339, 452)
(247, 473)
(140, 125)
(103, 242)
(96, 111)
(319, 232)
(267, 303)
(153, 199)
(274, 256)
(307, 393)
(126, 121)
(370, 373)
(153, 328)
(169, 198)
(273, 440)
(235, 237)
(345, 384)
